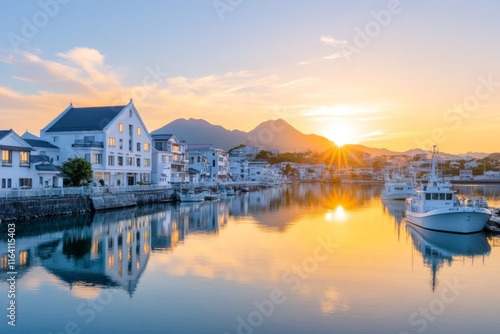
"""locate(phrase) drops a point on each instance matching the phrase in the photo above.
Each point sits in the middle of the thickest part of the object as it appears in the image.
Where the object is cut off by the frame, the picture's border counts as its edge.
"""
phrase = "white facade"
(239, 169)
(22, 170)
(113, 139)
(218, 163)
(15, 170)
(170, 165)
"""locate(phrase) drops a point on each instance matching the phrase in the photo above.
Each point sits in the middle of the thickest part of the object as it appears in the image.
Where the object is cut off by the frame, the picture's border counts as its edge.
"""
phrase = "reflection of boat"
(398, 188)
(435, 207)
(190, 196)
(395, 207)
(244, 189)
(438, 248)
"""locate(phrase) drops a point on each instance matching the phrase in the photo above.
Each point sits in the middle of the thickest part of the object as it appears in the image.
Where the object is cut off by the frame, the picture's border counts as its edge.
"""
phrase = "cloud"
(82, 76)
(332, 41)
(335, 55)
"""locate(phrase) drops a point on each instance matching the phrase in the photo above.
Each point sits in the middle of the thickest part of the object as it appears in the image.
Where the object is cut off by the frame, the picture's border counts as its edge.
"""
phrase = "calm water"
(302, 259)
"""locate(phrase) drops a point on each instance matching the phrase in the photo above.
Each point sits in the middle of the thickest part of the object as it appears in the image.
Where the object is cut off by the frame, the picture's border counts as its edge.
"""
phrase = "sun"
(341, 134)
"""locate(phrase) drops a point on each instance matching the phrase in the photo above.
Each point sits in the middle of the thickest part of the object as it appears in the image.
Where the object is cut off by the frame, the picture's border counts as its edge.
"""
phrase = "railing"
(88, 143)
(41, 192)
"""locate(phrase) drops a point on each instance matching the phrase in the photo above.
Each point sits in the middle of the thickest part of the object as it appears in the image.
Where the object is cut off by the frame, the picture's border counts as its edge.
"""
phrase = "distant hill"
(495, 156)
(275, 134)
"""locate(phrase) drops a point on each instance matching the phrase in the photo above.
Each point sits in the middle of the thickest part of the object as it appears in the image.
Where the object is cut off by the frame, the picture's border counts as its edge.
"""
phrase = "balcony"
(88, 143)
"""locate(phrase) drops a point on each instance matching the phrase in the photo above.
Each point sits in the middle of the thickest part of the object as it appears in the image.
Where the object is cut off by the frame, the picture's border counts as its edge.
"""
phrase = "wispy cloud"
(332, 41)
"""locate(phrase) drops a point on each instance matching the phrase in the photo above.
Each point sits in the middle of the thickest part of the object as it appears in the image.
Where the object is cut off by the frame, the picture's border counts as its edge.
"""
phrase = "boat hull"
(191, 198)
(455, 219)
(396, 196)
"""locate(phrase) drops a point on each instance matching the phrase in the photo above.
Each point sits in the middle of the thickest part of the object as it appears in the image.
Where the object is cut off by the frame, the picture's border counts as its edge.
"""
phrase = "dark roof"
(3, 133)
(15, 148)
(48, 168)
(86, 119)
(39, 143)
(193, 171)
(161, 136)
(39, 158)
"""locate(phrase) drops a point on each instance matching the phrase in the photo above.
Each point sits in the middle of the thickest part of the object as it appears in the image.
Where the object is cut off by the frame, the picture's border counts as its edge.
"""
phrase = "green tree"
(77, 169)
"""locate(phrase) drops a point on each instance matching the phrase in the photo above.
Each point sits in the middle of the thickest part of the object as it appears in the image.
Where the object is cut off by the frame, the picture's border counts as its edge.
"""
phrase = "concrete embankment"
(25, 209)
(34, 208)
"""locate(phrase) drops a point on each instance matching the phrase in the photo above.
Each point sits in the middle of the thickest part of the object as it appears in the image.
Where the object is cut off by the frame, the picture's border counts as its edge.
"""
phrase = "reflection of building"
(113, 251)
(438, 248)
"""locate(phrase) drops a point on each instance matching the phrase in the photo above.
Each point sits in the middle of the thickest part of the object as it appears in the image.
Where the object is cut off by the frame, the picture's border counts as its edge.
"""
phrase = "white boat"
(435, 207)
(190, 196)
(208, 195)
(396, 187)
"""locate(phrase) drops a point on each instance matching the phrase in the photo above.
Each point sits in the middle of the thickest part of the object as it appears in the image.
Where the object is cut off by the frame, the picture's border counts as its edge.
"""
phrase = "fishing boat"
(190, 196)
(208, 195)
(435, 207)
(396, 187)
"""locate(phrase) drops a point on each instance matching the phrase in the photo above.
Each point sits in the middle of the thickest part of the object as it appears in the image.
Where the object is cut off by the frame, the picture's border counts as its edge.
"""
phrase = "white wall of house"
(120, 153)
(15, 169)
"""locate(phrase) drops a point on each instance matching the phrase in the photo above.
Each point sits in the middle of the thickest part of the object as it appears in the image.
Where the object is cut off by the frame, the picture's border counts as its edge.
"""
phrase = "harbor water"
(305, 258)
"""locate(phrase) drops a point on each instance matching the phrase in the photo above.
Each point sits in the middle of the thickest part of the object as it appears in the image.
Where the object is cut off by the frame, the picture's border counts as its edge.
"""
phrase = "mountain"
(374, 152)
(275, 134)
(495, 156)
(198, 131)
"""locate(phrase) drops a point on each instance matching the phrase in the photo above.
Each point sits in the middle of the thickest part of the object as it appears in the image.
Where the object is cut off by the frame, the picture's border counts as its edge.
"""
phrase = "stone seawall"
(25, 209)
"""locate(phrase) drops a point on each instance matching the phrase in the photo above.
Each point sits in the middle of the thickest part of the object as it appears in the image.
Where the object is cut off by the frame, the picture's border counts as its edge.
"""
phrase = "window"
(111, 142)
(138, 162)
(25, 183)
(130, 130)
(130, 145)
(130, 161)
(55, 139)
(130, 113)
(138, 147)
(43, 152)
(96, 158)
(449, 197)
(6, 158)
(87, 157)
(147, 147)
(213, 163)
(435, 196)
(121, 144)
(147, 163)
(3, 183)
(138, 131)
(111, 160)
(24, 158)
(120, 161)
(120, 127)
(442, 196)
(428, 197)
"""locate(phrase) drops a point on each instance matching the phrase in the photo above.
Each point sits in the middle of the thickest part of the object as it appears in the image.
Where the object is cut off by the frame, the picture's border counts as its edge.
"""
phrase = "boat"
(190, 196)
(396, 187)
(230, 191)
(244, 189)
(208, 195)
(435, 207)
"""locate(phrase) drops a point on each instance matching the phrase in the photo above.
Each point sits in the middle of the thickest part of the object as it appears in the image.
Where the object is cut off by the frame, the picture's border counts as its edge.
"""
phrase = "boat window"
(428, 196)
(435, 196)
(449, 197)
(442, 196)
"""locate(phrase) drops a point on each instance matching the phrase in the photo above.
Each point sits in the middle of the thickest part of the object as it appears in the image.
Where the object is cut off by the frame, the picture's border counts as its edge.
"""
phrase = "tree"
(77, 169)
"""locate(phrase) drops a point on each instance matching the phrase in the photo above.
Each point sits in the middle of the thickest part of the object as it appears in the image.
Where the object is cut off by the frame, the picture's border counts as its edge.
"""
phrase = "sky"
(398, 74)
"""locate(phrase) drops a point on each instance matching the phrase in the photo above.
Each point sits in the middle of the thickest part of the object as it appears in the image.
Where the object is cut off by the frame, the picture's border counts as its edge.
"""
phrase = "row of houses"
(121, 151)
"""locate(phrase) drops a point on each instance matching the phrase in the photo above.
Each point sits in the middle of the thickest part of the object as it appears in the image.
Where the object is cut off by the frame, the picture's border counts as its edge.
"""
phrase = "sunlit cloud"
(335, 55)
(304, 63)
(332, 41)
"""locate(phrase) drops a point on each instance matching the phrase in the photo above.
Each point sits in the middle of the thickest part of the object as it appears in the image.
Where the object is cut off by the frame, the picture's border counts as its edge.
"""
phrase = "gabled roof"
(162, 136)
(85, 119)
(47, 168)
(3, 133)
(40, 143)
(39, 158)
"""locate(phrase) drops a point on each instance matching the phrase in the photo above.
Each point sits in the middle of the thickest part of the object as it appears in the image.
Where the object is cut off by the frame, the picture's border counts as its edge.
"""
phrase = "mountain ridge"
(276, 134)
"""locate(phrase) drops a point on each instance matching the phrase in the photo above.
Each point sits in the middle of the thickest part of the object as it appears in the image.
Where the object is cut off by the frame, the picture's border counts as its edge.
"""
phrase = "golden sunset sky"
(394, 74)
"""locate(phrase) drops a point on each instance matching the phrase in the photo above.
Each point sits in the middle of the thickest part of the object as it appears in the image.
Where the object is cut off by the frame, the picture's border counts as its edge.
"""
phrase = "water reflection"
(440, 248)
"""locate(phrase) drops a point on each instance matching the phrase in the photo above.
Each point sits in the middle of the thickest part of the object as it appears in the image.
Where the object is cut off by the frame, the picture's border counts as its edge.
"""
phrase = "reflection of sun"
(338, 215)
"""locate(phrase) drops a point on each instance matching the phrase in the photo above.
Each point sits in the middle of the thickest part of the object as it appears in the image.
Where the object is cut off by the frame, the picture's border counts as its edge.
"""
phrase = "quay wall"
(34, 208)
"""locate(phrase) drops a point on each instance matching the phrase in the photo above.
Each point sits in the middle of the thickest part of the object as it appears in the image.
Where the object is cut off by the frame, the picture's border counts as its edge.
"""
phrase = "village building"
(113, 139)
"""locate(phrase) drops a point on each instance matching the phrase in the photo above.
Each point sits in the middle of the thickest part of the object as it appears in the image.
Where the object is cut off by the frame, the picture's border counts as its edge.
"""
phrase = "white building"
(113, 139)
(218, 162)
(170, 164)
(20, 169)
(239, 168)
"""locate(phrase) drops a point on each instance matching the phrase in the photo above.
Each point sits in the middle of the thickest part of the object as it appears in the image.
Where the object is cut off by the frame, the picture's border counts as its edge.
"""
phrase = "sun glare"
(341, 135)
